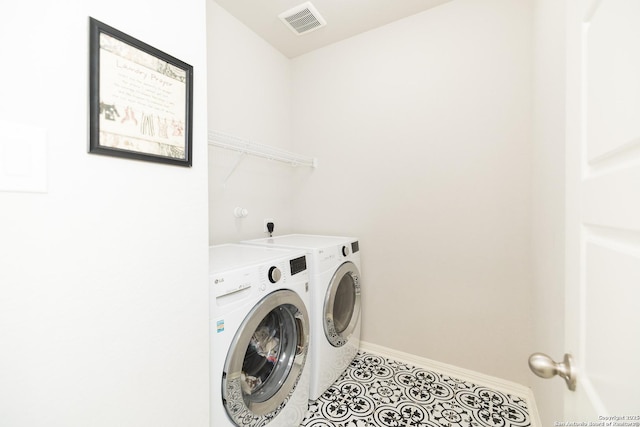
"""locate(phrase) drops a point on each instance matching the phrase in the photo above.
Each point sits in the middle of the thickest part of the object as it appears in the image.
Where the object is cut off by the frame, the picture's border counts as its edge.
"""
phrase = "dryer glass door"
(266, 358)
(342, 304)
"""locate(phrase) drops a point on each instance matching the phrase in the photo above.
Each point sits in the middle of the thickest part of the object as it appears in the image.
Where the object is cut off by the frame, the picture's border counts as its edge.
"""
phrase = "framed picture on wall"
(140, 99)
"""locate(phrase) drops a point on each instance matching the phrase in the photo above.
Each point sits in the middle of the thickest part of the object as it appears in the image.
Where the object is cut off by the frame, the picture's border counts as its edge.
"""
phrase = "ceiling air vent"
(302, 19)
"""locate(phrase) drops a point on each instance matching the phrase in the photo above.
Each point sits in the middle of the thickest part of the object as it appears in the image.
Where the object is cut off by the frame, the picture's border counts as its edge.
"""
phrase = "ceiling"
(345, 18)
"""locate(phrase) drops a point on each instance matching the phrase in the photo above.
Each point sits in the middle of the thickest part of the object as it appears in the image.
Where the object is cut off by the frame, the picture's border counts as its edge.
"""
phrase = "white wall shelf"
(230, 142)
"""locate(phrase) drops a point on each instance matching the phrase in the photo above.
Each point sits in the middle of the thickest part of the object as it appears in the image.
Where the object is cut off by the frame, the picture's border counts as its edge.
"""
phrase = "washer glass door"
(266, 358)
(342, 304)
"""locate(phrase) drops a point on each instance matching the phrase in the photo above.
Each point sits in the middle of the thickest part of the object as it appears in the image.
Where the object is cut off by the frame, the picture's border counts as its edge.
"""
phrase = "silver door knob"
(544, 367)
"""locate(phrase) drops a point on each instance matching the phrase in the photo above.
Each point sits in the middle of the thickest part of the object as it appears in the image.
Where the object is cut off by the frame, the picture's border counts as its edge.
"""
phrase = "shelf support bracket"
(233, 169)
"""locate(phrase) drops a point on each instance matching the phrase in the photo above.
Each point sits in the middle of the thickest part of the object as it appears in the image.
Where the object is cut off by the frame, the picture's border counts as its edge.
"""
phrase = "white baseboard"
(478, 378)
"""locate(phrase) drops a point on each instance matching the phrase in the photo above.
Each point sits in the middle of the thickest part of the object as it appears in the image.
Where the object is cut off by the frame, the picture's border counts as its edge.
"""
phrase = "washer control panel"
(274, 274)
(233, 282)
(239, 273)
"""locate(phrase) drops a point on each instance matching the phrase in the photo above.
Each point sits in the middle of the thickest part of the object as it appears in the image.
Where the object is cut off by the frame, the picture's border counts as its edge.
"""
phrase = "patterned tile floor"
(379, 392)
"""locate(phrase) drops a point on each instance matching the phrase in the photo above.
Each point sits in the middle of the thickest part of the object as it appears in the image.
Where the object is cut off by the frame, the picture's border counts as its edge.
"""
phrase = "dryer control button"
(345, 250)
(274, 274)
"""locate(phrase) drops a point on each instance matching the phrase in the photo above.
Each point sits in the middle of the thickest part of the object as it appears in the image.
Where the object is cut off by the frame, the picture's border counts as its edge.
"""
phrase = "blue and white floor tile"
(379, 392)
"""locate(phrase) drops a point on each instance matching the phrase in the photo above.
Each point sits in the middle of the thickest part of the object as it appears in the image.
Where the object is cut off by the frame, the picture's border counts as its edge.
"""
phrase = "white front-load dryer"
(334, 264)
(259, 336)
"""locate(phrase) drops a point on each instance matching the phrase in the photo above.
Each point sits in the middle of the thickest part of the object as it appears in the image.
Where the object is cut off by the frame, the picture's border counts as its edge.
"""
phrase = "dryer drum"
(266, 358)
(342, 304)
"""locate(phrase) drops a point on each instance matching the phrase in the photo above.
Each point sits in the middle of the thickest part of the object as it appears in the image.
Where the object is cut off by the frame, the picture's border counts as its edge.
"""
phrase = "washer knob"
(274, 274)
(345, 250)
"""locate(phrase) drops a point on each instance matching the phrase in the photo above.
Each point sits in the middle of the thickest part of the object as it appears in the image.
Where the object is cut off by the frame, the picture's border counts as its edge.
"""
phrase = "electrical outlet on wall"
(266, 221)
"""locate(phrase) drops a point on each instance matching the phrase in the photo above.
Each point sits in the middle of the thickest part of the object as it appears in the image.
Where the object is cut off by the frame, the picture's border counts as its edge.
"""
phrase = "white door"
(603, 208)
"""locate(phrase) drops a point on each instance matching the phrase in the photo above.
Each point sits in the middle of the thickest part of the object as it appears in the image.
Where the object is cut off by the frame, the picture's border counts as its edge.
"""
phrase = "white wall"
(423, 133)
(103, 279)
(548, 232)
(249, 97)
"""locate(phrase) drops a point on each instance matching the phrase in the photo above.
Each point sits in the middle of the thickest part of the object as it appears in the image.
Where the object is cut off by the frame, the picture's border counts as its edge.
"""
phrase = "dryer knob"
(345, 250)
(274, 274)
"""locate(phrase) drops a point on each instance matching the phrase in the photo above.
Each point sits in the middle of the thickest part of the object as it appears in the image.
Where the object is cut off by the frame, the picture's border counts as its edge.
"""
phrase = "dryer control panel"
(328, 257)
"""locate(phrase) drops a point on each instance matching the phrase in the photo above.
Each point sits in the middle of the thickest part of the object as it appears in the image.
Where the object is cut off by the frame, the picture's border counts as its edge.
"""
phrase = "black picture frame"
(140, 99)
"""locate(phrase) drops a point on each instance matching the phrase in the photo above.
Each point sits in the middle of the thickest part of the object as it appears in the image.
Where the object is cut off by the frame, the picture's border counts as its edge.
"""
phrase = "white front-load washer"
(259, 336)
(334, 264)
